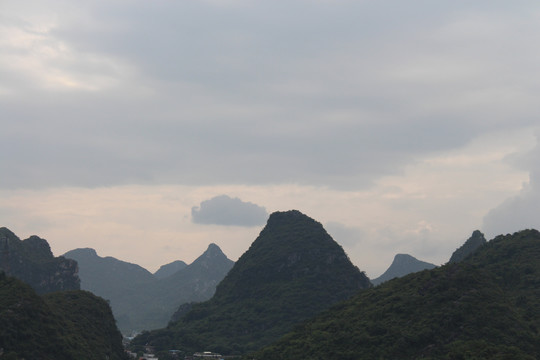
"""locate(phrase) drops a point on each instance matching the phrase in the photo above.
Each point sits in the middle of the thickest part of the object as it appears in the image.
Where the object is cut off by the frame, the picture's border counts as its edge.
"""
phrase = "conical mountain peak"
(212, 254)
(402, 265)
(213, 250)
(291, 245)
(292, 271)
(470, 246)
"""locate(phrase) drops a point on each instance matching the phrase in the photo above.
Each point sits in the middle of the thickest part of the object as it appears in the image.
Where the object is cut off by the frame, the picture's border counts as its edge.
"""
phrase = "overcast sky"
(149, 129)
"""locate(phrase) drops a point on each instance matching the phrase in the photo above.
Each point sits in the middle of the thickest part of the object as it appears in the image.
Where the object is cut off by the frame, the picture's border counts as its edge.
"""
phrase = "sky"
(149, 129)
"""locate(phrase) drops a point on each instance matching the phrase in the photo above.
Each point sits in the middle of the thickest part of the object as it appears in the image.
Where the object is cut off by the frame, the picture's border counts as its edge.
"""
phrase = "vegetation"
(63, 325)
(88, 324)
(485, 307)
(32, 261)
(476, 241)
(291, 272)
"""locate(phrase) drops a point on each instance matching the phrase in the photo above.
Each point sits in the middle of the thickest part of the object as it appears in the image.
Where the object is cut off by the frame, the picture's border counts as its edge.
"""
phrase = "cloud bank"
(523, 210)
(335, 94)
(224, 210)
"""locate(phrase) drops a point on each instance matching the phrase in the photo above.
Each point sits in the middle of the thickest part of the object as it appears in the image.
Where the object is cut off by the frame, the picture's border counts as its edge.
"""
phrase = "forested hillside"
(485, 307)
(64, 325)
(32, 261)
(292, 271)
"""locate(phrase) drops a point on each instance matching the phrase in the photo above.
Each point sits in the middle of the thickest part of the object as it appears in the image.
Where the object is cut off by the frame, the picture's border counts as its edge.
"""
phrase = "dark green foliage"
(89, 324)
(32, 261)
(138, 299)
(291, 272)
(27, 327)
(63, 325)
(486, 307)
(472, 244)
(182, 311)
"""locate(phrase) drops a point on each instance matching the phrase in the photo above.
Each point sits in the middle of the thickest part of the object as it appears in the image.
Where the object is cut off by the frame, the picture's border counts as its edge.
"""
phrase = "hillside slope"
(32, 261)
(486, 307)
(476, 241)
(402, 265)
(169, 269)
(140, 300)
(63, 325)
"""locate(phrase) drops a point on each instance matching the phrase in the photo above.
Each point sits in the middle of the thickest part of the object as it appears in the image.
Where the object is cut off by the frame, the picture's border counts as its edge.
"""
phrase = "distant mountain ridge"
(169, 269)
(402, 265)
(141, 300)
(292, 271)
(32, 261)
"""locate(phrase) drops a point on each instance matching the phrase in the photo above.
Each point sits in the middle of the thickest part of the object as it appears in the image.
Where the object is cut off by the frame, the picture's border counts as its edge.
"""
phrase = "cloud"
(224, 210)
(521, 211)
(339, 94)
(344, 235)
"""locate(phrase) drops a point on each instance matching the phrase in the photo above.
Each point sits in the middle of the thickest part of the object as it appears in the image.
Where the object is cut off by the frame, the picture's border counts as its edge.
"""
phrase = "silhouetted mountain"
(196, 282)
(63, 325)
(485, 307)
(138, 299)
(107, 274)
(122, 283)
(402, 265)
(169, 269)
(32, 261)
(292, 271)
(472, 244)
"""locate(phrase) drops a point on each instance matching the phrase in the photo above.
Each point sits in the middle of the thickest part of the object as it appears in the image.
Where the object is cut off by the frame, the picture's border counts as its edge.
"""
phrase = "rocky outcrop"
(32, 261)
(470, 246)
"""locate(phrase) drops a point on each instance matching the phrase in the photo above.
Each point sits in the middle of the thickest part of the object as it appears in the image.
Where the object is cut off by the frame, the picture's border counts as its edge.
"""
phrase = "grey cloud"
(521, 211)
(224, 210)
(337, 95)
(518, 213)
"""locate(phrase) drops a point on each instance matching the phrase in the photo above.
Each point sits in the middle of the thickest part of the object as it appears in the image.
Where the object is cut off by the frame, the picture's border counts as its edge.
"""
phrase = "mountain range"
(141, 300)
(291, 272)
(293, 294)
